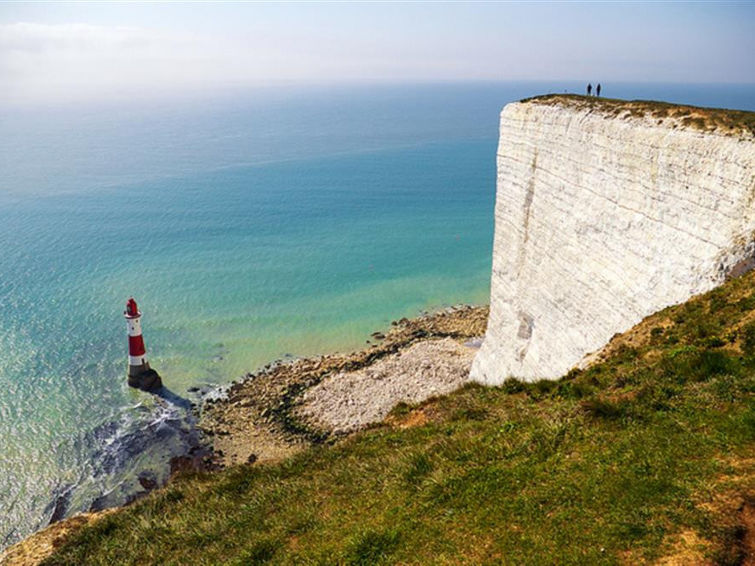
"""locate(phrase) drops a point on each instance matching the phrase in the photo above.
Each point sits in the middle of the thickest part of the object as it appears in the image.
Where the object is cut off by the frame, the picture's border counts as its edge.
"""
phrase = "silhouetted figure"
(597, 90)
(589, 89)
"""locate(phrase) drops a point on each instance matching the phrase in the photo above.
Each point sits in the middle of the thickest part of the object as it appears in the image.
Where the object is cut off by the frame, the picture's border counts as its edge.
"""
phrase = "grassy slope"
(615, 464)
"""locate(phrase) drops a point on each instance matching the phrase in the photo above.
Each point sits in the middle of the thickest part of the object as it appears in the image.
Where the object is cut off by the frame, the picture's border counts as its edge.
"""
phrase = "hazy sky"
(73, 51)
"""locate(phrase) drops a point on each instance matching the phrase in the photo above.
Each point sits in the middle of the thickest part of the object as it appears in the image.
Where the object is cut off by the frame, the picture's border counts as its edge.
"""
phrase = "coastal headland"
(578, 448)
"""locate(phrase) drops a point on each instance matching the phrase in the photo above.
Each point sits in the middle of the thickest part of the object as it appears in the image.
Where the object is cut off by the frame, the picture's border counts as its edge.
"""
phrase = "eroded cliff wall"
(605, 213)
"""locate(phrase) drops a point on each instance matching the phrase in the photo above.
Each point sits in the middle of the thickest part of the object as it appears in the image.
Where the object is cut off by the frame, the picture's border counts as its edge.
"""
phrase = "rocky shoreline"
(288, 406)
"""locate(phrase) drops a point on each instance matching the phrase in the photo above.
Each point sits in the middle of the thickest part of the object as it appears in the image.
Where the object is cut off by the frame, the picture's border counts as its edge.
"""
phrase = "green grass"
(605, 466)
(723, 120)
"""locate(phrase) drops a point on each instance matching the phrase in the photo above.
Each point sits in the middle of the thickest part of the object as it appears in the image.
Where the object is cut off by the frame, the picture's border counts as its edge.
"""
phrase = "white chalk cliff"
(605, 213)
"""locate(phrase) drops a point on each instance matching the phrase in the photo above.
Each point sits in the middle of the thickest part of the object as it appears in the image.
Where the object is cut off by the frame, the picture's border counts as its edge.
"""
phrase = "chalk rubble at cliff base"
(285, 407)
(346, 402)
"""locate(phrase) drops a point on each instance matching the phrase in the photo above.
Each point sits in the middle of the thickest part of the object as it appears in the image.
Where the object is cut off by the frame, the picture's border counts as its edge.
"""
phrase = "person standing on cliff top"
(597, 90)
(589, 89)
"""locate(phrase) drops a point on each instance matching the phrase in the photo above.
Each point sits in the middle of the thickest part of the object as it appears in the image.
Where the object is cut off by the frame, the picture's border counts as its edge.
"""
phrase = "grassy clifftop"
(721, 120)
(647, 455)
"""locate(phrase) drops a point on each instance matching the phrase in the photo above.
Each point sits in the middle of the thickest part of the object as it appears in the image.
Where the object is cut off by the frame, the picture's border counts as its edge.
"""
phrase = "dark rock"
(192, 461)
(148, 380)
(102, 502)
(61, 506)
(148, 480)
(180, 464)
(134, 497)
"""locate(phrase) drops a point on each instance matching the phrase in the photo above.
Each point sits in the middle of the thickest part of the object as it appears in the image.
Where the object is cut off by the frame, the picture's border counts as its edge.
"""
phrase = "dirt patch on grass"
(688, 549)
(34, 549)
(417, 417)
(747, 522)
(732, 508)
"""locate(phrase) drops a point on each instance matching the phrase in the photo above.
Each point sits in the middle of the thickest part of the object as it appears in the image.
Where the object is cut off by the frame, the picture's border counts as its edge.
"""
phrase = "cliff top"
(720, 120)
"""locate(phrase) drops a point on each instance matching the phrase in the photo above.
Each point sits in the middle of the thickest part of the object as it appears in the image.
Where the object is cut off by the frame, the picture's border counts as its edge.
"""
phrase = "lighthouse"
(140, 375)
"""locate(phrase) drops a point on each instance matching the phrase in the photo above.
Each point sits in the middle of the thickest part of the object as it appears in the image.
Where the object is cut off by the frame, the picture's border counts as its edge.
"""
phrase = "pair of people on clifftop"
(589, 89)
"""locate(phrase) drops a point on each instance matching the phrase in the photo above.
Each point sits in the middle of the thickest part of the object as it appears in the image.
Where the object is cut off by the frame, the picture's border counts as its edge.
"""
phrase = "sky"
(72, 51)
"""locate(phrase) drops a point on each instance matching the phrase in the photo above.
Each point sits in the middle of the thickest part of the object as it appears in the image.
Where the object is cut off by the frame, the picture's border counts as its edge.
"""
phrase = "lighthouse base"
(144, 378)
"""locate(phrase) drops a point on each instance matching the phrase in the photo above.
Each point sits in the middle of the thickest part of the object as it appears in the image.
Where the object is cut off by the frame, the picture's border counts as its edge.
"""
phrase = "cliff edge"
(607, 211)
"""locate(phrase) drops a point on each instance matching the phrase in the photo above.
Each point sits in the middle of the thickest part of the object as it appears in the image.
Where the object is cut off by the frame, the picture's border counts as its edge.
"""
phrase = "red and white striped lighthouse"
(140, 375)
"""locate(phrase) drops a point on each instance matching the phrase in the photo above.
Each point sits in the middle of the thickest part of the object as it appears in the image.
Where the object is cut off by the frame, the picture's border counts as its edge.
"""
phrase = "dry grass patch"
(719, 120)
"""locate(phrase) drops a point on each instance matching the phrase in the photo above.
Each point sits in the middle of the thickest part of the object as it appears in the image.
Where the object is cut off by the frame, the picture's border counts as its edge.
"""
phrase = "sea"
(250, 226)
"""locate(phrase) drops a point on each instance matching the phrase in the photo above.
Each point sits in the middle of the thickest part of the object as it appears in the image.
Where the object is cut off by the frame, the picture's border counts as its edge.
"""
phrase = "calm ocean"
(249, 227)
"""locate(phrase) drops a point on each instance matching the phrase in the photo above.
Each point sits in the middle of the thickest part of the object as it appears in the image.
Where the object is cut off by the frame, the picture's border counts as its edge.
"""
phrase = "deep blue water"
(250, 227)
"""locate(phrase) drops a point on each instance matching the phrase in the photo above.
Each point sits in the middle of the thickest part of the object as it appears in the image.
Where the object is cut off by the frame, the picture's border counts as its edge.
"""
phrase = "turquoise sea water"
(249, 227)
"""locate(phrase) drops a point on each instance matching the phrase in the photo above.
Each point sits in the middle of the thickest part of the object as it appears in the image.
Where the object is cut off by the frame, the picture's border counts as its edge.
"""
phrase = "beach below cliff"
(288, 406)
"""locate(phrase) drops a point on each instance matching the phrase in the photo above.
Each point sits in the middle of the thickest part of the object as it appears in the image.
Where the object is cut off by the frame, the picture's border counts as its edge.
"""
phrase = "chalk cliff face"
(606, 213)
